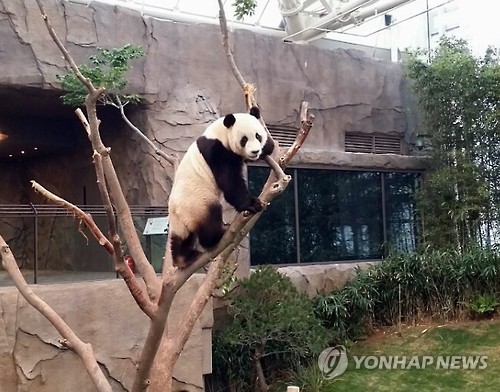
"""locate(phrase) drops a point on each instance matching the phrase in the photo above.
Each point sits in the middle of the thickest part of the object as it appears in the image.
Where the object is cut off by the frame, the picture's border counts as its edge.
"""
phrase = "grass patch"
(463, 339)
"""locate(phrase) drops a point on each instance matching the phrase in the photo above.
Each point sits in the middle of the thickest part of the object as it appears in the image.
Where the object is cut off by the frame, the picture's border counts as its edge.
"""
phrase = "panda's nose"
(255, 152)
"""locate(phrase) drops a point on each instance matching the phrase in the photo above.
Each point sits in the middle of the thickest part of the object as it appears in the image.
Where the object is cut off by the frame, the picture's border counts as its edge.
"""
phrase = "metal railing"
(46, 240)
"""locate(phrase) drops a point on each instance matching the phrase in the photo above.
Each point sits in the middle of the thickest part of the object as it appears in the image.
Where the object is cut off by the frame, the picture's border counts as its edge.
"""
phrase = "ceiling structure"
(294, 20)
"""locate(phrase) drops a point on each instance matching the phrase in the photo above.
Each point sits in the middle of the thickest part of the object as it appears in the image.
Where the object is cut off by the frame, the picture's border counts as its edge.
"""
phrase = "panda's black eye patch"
(258, 137)
(243, 141)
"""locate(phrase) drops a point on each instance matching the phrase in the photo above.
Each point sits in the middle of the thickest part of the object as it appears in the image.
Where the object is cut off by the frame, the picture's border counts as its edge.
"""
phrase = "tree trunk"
(261, 378)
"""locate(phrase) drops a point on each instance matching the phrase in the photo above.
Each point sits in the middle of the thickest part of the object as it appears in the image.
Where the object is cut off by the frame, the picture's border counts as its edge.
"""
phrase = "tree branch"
(91, 125)
(86, 81)
(306, 123)
(248, 88)
(229, 55)
(83, 216)
(72, 341)
(146, 305)
(173, 160)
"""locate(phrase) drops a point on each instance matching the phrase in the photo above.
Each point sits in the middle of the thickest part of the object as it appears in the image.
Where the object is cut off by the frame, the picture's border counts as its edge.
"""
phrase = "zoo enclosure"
(51, 245)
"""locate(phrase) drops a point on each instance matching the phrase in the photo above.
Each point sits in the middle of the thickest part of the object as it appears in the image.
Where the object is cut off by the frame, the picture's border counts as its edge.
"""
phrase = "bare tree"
(161, 350)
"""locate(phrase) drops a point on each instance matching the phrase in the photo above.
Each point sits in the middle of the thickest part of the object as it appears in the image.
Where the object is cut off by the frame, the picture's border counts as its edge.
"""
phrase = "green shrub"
(408, 287)
(483, 306)
(272, 324)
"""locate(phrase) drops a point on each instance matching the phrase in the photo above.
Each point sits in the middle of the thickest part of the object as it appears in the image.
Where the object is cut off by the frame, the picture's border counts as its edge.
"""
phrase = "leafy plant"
(483, 306)
(273, 327)
(109, 70)
(458, 96)
(405, 288)
(244, 8)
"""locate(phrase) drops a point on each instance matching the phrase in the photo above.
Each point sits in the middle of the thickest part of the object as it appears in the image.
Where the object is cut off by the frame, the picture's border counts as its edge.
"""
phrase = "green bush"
(272, 324)
(483, 306)
(408, 287)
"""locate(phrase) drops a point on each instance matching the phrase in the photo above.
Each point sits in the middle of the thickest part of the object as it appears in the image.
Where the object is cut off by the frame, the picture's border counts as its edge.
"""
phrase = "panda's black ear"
(229, 121)
(255, 111)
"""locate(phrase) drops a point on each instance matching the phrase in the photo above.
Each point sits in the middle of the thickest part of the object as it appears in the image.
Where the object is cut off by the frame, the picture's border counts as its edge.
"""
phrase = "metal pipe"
(384, 214)
(296, 210)
(334, 21)
(35, 245)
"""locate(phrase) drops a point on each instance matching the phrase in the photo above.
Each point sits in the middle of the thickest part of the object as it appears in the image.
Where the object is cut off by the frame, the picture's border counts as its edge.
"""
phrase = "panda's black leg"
(212, 230)
(183, 250)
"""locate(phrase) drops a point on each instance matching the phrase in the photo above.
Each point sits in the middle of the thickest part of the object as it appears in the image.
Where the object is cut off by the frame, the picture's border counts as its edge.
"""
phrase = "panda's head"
(245, 134)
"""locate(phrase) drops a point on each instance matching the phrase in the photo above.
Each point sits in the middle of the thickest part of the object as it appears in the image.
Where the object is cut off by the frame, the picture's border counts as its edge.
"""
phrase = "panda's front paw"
(255, 205)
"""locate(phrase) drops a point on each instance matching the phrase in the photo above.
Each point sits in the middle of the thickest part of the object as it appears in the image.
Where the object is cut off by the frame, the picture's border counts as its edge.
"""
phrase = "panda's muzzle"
(254, 155)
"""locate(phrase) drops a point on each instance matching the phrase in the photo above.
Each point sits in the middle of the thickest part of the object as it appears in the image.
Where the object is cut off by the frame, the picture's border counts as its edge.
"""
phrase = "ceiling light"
(3, 136)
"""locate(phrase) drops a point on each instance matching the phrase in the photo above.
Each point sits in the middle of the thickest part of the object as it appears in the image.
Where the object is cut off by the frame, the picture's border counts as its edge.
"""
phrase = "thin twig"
(306, 123)
(173, 160)
(83, 216)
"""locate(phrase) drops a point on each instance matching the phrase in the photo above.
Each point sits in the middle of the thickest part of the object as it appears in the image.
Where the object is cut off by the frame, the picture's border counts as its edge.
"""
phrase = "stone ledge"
(322, 278)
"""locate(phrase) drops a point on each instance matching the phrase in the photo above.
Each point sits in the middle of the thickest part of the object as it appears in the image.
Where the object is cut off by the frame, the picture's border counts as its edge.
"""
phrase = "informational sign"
(156, 226)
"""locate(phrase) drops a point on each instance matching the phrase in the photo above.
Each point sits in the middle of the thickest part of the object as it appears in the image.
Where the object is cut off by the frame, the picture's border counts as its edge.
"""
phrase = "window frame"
(384, 217)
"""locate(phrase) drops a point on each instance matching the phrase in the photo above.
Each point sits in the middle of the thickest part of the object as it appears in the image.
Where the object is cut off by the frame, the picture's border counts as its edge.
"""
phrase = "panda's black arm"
(235, 190)
(227, 168)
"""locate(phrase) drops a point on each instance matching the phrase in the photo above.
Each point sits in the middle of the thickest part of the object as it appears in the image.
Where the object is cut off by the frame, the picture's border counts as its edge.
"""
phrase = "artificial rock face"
(31, 357)
(185, 83)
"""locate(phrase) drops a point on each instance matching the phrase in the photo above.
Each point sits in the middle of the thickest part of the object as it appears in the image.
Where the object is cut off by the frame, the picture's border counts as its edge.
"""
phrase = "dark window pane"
(400, 191)
(272, 239)
(340, 215)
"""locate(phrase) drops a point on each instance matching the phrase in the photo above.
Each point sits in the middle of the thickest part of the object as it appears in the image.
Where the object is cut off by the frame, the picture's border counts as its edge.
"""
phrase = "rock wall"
(185, 82)
(103, 314)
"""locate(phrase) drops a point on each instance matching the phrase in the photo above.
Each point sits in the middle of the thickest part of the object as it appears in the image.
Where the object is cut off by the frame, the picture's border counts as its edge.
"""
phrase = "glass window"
(272, 239)
(400, 207)
(340, 215)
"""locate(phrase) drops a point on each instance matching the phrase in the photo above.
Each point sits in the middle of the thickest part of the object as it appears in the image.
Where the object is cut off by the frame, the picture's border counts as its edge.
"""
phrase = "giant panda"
(211, 168)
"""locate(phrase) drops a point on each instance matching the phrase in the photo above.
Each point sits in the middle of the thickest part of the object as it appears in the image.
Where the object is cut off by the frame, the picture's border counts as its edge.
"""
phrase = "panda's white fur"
(211, 168)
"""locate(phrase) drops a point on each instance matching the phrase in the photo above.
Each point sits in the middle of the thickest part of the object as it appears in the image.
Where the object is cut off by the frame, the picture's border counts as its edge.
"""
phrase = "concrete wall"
(185, 83)
(103, 314)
